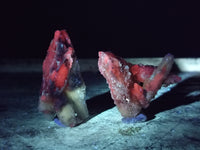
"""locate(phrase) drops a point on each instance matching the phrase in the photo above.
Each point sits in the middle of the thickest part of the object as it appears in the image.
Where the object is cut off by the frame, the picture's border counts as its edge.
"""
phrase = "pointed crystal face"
(63, 89)
(133, 86)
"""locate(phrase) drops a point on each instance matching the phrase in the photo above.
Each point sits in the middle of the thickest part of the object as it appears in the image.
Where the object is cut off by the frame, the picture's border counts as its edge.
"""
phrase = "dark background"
(129, 28)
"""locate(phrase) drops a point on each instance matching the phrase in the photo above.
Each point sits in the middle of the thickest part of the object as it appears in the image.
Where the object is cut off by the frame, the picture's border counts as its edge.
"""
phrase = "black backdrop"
(129, 28)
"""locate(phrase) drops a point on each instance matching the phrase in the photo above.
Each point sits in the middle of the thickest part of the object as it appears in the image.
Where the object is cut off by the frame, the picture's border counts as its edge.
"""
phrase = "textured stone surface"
(173, 118)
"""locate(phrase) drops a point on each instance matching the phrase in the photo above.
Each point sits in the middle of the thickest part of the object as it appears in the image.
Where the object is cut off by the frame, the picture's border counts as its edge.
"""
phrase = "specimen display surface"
(63, 89)
(173, 116)
(133, 86)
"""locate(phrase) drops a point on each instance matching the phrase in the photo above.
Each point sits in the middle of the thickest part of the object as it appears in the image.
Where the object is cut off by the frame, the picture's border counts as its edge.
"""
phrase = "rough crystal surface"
(133, 86)
(63, 89)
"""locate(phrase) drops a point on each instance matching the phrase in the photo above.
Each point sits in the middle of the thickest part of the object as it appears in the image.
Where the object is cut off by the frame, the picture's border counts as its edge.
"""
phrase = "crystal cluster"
(133, 86)
(63, 89)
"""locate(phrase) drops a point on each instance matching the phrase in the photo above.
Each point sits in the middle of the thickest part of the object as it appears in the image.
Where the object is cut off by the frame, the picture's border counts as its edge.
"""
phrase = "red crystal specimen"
(57, 64)
(133, 86)
(63, 89)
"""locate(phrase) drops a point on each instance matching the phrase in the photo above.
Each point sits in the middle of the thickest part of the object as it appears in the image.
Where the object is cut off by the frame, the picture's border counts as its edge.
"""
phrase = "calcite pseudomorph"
(133, 86)
(63, 89)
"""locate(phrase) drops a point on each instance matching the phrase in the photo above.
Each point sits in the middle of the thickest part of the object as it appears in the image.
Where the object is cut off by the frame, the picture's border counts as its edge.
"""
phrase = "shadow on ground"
(99, 104)
(186, 92)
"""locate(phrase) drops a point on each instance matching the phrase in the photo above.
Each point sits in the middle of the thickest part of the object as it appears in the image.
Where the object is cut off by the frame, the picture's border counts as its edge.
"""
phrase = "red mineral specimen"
(63, 89)
(133, 86)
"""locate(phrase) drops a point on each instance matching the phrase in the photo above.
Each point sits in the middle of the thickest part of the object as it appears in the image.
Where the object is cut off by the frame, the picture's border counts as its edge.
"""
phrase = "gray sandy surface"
(173, 118)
